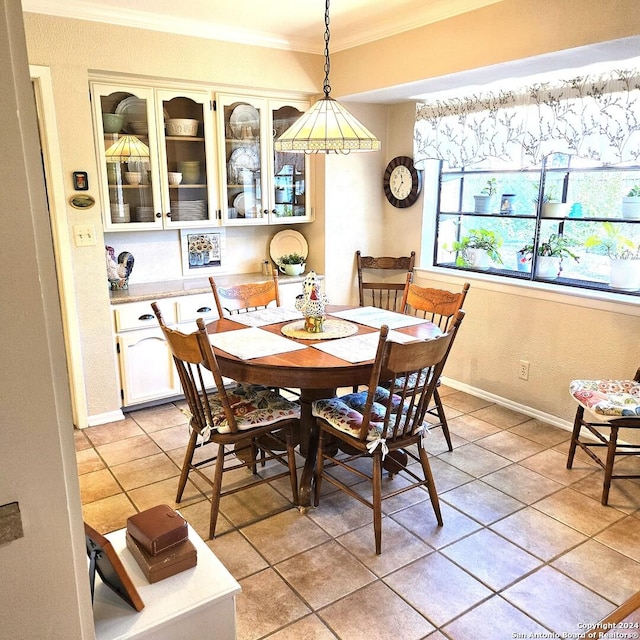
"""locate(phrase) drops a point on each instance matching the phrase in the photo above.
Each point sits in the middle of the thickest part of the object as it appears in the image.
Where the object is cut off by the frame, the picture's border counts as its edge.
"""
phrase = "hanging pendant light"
(127, 149)
(327, 126)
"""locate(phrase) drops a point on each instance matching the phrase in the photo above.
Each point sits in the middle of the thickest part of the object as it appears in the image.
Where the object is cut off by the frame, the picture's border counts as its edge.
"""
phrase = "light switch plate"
(84, 235)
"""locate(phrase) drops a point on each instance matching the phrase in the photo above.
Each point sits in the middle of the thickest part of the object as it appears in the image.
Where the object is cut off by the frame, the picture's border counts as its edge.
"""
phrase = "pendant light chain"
(327, 63)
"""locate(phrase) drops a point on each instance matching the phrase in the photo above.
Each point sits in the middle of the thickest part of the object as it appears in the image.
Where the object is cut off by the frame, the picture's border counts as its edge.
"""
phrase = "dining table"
(270, 348)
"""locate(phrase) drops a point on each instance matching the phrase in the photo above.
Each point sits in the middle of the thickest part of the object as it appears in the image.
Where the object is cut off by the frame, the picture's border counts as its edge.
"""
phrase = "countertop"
(189, 286)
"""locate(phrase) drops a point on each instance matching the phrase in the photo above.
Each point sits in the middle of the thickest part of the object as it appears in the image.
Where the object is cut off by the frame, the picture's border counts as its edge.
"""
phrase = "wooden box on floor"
(166, 563)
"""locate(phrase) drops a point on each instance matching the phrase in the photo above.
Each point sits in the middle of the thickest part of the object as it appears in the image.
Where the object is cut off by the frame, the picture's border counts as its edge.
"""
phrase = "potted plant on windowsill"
(483, 202)
(293, 264)
(477, 249)
(551, 205)
(631, 204)
(624, 257)
(551, 254)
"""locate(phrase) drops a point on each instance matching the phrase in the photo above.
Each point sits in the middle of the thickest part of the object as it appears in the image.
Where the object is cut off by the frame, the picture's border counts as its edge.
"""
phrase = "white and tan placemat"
(264, 317)
(252, 343)
(333, 329)
(361, 347)
(374, 317)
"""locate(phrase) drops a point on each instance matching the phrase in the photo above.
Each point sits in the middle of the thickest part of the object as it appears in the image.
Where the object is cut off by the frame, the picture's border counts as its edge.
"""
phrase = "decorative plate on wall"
(286, 242)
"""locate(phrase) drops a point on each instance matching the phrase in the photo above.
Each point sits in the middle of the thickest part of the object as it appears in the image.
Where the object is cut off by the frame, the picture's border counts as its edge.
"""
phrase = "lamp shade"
(327, 126)
(127, 149)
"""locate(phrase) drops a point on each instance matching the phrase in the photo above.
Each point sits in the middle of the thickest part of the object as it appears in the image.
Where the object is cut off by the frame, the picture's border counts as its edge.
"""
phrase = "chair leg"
(431, 485)
(186, 465)
(443, 418)
(575, 436)
(293, 474)
(319, 467)
(217, 489)
(377, 500)
(608, 467)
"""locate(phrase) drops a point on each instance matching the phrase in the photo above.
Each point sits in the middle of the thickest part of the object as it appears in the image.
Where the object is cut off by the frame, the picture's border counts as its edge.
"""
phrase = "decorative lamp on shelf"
(327, 126)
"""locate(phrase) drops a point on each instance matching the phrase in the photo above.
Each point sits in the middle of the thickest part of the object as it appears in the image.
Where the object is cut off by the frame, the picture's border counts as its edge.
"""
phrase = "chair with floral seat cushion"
(440, 307)
(379, 421)
(245, 419)
(605, 407)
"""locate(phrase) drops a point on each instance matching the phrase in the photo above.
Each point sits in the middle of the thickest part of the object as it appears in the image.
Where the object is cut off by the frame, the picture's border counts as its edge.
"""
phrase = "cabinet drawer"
(189, 308)
(139, 315)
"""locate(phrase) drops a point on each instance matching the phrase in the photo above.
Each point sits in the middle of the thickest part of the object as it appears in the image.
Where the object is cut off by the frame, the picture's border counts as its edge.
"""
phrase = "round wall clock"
(402, 182)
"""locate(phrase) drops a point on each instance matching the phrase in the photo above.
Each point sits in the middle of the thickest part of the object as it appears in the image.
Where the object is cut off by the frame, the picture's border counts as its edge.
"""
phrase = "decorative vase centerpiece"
(311, 303)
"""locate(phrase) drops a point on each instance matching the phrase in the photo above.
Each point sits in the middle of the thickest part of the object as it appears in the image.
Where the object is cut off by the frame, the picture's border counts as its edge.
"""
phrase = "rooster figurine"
(118, 272)
(312, 303)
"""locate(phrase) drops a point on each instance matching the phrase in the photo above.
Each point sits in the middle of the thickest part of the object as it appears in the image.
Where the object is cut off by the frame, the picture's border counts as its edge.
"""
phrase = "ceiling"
(299, 25)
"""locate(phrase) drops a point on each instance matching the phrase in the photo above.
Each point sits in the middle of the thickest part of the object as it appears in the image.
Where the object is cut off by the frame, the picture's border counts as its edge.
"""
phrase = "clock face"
(402, 182)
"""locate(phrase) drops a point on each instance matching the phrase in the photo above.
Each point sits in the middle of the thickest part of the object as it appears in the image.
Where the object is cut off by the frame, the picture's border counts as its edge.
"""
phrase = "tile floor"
(526, 547)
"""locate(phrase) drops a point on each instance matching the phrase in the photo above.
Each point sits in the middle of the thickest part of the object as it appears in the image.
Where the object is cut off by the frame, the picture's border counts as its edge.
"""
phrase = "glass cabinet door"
(127, 150)
(187, 158)
(241, 126)
(289, 173)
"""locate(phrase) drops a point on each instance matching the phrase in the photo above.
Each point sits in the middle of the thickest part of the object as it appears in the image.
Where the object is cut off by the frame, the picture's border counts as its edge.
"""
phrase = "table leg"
(309, 441)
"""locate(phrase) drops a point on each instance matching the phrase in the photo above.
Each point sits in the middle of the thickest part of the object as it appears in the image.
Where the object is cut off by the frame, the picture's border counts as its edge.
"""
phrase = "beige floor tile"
(112, 432)
(500, 416)
(541, 432)
(309, 628)
(624, 495)
(197, 514)
(160, 417)
(447, 476)
(474, 460)
(491, 559)
(557, 602)
(164, 492)
(399, 547)
(139, 473)
(253, 504)
(601, 569)
(481, 501)
(338, 513)
(284, 535)
(464, 402)
(578, 511)
(437, 588)
(386, 616)
(510, 446)
(435, 442)
(324, 574)
(266, 604)
(129, 449)
(623, 536)
(97, 485)
(553, 464)
(522, 484)
(421, 520)
(80, 440)
(108, 514)
(171, 437)
(539, 534)
(237, 555)
(494, 619)
(88, 460)
(471, 428)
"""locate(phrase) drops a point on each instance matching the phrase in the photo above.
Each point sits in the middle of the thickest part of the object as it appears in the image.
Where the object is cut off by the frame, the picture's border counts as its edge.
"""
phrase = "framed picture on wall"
(203, 251)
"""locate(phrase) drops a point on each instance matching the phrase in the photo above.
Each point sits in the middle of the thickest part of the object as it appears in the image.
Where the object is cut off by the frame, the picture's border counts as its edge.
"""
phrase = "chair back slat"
(436, 305)
(381, 292)
(249, 296)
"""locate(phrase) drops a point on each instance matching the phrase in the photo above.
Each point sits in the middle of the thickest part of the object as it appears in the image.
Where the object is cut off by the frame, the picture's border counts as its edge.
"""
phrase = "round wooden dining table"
(315, 373)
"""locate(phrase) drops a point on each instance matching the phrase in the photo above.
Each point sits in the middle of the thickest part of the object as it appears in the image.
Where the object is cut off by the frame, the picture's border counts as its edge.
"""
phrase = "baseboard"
(509, 404)
(103, 418)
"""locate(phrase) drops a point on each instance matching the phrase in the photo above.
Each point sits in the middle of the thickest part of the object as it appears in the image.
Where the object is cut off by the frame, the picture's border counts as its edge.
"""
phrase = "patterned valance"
(593, 116)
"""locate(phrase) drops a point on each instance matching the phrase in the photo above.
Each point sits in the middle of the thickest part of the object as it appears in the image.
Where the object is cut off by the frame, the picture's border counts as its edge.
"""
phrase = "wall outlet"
(84, 235)
(523, 371)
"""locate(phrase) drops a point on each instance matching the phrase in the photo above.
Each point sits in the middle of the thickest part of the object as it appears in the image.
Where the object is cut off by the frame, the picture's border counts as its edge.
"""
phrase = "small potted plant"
(477, 248)
(551, 253)
(631, 203)
(293, 264)
(624, 257)
(483, 201)
(551, 205)
(524, 256)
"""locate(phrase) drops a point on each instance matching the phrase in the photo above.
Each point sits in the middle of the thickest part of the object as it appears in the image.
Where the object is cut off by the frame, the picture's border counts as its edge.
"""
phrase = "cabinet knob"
(168, 214)
(265, 211)
(204, 310)
(146, 316)
(158, 215)
(273, 211)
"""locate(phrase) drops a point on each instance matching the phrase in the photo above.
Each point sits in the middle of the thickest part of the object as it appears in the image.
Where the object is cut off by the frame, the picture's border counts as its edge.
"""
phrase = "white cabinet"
(175, 186)
(258, 184)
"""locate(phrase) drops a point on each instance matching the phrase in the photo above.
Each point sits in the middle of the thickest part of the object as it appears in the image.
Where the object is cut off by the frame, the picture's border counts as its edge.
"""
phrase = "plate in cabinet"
(242, 163)
(245, 122)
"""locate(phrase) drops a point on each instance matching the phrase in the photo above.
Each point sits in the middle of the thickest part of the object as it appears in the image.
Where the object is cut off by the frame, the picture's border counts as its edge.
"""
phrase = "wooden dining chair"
(604, 408)
(249, 296)
(240, 421)
(377, 422)
(381, 281)
(440, 307)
